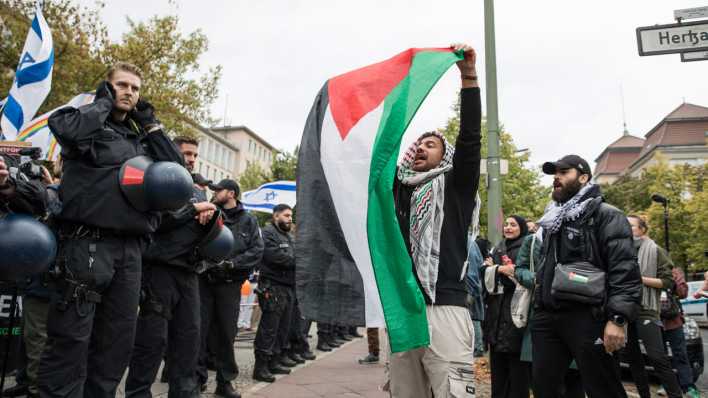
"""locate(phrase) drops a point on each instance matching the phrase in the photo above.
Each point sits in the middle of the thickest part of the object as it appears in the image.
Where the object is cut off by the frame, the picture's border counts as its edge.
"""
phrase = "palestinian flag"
(352, 263)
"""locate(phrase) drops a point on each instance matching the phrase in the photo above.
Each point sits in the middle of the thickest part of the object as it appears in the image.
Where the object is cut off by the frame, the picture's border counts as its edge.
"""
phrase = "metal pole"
(494, 190)
(666, 226)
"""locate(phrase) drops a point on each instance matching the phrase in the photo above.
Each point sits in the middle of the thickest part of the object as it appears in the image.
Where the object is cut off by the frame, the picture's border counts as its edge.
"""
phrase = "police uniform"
(220, 292)
(276, 299)
(169, 307)
(92, 317)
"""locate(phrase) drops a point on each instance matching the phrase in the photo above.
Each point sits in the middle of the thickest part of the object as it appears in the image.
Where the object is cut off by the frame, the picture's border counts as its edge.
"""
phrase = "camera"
(23, 162)
(30, 168)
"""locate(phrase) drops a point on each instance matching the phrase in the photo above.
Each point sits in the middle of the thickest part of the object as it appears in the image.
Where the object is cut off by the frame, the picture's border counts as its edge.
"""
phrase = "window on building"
(207, 173)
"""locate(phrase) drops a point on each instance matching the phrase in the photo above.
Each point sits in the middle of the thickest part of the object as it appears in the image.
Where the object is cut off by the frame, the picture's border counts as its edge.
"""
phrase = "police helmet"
(28, 247)
(152, 185)
(218, 243)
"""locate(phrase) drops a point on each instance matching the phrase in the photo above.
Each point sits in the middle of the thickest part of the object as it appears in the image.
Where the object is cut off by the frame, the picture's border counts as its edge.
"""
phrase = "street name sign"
(691, 13)
(673, 38)
(694, 56)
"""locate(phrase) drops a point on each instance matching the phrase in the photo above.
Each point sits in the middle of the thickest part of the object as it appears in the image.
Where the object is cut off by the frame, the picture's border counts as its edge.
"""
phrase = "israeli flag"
(268, 195)
(33, 79)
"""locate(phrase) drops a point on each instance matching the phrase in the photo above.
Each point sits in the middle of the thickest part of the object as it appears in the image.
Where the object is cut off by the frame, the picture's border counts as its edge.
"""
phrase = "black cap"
(226, 183)
(568, 162)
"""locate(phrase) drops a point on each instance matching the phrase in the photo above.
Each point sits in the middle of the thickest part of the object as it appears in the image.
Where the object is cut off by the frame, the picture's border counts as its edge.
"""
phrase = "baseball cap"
(226, 183)
(568, 162)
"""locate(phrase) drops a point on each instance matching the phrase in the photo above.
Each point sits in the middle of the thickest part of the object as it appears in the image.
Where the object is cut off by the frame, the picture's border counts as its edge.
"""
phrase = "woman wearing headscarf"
(511, 378)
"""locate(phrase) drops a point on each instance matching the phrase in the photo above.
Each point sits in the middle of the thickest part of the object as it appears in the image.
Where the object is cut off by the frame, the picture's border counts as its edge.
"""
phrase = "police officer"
(220, 288)
(276, 297)
(92, 318)
(169, 307)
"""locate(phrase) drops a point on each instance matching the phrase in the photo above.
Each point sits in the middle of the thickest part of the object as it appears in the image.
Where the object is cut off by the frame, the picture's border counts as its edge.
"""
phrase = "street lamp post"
(494, 191)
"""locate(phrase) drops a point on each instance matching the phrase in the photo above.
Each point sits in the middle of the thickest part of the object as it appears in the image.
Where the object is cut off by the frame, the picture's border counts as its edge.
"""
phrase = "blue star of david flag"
(33, 78)
(268, 195)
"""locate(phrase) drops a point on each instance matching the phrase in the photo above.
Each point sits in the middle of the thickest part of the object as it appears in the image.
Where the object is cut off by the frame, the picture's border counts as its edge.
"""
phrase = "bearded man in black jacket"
(580, 230)
(220, 288)
(169, 307)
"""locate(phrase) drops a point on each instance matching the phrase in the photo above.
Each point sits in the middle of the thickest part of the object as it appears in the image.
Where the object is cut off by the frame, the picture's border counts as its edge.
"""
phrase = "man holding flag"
(33, 79)
(395, 259)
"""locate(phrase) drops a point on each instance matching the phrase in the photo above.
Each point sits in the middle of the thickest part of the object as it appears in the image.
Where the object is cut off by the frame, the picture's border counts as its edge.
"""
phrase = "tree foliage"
(685, 187)
(168, 59)
(522, 192)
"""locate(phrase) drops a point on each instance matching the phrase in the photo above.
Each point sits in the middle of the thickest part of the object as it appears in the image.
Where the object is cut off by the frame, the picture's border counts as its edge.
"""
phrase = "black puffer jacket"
(603, 237)
(248, 244)
(499, 330)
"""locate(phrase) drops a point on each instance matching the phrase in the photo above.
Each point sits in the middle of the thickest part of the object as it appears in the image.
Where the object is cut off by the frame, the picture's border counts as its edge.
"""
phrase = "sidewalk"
(333, 374)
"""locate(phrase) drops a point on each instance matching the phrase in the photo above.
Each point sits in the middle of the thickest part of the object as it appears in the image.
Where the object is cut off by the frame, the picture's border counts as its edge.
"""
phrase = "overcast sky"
(560, 64)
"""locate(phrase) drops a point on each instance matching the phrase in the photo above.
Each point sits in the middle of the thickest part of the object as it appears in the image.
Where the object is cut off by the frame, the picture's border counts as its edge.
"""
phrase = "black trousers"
(276, 302)
(649, 331)
(219, 311)
(89, 344)
(298, 337)
(170, 311)
(511, 377)
(558, 338)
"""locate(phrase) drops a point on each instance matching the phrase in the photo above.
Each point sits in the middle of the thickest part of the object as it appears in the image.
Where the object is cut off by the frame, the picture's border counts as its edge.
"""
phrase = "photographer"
(92, 318)
(169, 307)
(220, 288)
(20, 195)
(276, 296)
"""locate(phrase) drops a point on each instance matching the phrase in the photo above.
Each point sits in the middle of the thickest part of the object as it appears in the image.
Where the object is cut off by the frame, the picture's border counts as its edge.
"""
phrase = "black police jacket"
(603, 237)
(94, 146)
(248, 244)
(179, 233)
(278, 256)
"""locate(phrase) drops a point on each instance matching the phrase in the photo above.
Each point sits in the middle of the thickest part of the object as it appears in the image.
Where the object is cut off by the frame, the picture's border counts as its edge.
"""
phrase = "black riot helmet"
(218, 243)
(152, 185)
(28, 247)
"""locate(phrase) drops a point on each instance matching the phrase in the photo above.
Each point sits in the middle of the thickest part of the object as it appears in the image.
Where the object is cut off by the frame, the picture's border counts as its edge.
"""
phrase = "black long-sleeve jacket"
(94, 146)
(278, 256)
(461, 184)
(603, 237)
(248, 244)
(29, 197)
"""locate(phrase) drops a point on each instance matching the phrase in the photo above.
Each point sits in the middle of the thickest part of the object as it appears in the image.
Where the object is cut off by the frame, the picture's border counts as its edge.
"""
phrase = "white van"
(695, 308)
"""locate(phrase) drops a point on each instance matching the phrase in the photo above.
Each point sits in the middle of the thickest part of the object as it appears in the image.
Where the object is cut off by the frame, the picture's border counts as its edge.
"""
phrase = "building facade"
(252, 148)
(217, 157)
(680, 138)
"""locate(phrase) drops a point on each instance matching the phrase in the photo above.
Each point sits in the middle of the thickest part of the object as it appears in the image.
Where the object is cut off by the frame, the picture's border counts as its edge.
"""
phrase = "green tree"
(252, 177)
(284, 167)
(168, 59)
(522, 192)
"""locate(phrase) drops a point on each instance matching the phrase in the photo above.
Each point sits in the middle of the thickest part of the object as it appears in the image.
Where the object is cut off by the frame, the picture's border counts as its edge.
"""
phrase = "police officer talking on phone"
(92, 317)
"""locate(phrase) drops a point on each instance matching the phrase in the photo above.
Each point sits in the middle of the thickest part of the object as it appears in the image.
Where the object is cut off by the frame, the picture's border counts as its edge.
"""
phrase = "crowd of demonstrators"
(510, 376)
(645, 333)
(433, 194)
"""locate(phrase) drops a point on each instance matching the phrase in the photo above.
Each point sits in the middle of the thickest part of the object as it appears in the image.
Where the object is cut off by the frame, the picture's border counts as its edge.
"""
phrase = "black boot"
(226, 390)
(286, 361)
(323, 346)
(19, 390)
(276, 368)
(261, 371)
(308, 355)
(295, 357)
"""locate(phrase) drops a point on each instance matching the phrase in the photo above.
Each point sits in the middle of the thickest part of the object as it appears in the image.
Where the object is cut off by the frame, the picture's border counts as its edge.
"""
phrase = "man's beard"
(567, 191)
(284, 226)
(218, 202)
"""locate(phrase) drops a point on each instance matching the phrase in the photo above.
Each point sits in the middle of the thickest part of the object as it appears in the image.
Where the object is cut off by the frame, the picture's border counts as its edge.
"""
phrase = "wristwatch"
(618, 320)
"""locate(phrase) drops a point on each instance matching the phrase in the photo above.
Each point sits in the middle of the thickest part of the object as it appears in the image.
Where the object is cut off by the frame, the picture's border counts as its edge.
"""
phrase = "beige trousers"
(443, 369)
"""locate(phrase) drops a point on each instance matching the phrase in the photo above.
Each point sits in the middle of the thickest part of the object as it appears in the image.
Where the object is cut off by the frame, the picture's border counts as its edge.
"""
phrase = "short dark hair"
(281, 208)
(185, 140)
(642, 224)
(125, 67)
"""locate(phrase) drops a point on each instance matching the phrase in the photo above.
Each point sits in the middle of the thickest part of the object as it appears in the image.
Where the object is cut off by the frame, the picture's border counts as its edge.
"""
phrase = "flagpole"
(494, 189)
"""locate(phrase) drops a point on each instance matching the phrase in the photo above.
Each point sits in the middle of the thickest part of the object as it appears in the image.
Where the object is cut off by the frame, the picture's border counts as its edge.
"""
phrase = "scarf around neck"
(556, 213)
(426, 212)
(647, 257)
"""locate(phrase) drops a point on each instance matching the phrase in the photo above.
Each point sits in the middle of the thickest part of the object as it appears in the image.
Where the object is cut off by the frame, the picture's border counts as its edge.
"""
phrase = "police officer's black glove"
(105, 90)
(144, 115)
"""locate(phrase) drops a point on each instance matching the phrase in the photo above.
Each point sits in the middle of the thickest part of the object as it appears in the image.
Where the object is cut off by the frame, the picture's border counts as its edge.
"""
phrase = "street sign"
(673, 38)
(691, 13)
(694, 56)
